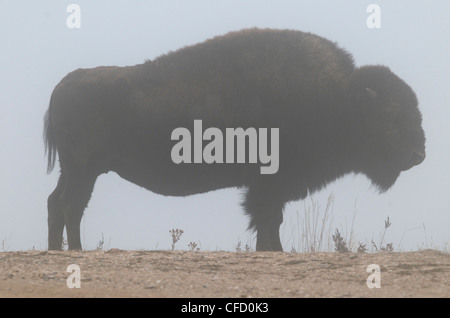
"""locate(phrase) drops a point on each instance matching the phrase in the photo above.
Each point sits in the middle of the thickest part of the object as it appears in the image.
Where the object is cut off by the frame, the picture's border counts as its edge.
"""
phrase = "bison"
(333, 118)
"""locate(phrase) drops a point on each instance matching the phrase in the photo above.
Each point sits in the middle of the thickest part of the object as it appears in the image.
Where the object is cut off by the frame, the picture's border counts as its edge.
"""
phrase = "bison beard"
(333, 119)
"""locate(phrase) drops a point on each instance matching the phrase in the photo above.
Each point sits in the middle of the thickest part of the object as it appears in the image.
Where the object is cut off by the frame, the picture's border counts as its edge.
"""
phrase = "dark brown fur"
(334, 119)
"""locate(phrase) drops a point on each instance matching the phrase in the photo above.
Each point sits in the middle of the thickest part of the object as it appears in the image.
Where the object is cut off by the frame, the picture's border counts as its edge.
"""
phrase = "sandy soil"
(120, 273)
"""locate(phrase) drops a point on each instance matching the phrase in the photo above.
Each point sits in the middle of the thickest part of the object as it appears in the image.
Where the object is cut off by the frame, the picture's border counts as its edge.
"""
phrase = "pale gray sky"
(38, 49)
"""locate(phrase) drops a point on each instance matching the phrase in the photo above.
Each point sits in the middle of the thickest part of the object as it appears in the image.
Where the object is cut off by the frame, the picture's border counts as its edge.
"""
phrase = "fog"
(38, 49)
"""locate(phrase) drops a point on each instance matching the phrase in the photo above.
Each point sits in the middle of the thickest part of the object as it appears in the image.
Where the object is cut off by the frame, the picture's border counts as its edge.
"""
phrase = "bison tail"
(49, 140)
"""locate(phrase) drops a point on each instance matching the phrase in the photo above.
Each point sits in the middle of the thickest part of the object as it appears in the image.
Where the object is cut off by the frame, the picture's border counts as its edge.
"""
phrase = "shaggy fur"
(333, 119)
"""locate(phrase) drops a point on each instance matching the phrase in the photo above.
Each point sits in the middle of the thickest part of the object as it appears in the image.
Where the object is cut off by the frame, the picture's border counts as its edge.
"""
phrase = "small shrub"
(389, 246)
(238, 247)
(6, 243)
(64, 244)
(100, 244)
(176, 235)
(193, 246)
(362, 248)
(339, 243)
(247, 248)
(312, 227)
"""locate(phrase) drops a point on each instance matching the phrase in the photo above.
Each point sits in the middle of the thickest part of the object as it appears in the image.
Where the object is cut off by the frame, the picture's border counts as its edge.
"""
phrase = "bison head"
(389, 124)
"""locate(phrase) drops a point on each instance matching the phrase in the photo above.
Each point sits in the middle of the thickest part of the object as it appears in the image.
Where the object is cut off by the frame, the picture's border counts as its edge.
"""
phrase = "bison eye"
(371, 93)
(393, 103)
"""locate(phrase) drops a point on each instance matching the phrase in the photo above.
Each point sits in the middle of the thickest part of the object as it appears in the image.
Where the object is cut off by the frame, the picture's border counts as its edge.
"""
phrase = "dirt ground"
(123, 273)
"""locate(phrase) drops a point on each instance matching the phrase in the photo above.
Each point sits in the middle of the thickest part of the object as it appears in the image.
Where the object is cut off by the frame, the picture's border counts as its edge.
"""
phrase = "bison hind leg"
(55, 216)
(66, 206)
(266, 215)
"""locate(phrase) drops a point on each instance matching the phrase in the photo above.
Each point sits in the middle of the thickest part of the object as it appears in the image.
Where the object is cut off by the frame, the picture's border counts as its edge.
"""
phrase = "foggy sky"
(38, 50)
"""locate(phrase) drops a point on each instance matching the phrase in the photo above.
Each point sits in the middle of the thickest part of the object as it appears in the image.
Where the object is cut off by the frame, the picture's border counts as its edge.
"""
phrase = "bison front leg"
(266, 215)
(268, 228)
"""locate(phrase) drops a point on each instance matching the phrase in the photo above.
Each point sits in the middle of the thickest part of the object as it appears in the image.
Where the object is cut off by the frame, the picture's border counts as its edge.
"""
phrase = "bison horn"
(371, 93)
